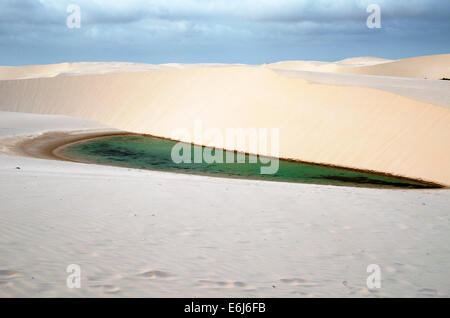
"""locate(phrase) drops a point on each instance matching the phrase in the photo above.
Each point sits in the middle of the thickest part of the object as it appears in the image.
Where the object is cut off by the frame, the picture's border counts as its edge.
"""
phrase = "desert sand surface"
(219, 237)
(435, 92)
(367, 128)
(363, 61)
(148, 233)
(330, 67)
(84, 68)
(424, 67)
(71, 69)
(429, 67)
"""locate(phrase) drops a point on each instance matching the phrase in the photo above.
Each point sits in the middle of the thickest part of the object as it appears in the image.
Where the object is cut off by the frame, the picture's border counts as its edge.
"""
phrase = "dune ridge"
(363, 61)
(71, 69)
(354, 127)
(428, 67)
(85, 68)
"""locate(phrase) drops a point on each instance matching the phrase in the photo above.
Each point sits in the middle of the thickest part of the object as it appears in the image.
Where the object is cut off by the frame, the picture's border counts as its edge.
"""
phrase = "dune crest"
(70, 69)
(428, 67)
(363, 61)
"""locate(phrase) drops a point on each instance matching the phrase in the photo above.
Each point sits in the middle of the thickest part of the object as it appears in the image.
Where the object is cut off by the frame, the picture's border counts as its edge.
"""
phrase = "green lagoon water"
(146, 152)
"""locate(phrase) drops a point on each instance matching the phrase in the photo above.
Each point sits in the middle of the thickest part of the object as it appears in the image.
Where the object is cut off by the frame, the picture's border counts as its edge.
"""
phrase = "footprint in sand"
(298, 282)
(6, 274)
(400, 267)
(224, 284)
(157, 275)
(109, 289)
(428, 292)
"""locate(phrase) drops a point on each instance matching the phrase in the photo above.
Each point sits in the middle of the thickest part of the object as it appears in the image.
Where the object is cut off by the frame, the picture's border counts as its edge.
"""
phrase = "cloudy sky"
(229, 31)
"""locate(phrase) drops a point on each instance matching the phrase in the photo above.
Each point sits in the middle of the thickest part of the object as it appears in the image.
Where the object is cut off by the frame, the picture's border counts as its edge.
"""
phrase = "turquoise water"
(146, 152)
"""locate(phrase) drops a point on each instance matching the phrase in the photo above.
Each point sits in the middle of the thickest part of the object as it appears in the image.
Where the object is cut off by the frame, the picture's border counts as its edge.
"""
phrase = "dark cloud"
(248, 31)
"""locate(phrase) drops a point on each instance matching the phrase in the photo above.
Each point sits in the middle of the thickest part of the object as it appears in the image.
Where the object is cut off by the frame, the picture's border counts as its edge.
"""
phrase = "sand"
(83, 68)
(424, 67)
(147, 233)
(430, 67)
(218, 238)
(357, 127)
(435, 92)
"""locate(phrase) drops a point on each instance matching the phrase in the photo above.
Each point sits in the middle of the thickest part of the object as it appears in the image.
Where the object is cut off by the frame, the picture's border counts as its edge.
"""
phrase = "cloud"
(281, 11)
(139, 25)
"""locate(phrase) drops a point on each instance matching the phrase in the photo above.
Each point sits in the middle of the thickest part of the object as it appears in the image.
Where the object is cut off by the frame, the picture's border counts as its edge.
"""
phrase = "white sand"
(358, 127)
(144, 233)
(435, 92)
(429, 67)
(85, 68)
(217, 237)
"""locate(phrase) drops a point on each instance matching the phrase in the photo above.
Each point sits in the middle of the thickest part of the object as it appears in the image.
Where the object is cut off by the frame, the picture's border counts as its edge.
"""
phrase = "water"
(146, 152)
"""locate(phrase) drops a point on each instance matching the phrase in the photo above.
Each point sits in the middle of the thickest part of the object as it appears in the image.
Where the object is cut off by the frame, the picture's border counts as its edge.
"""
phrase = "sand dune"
(328, 67)
(435, 92)
(355, 127)
(363, 61)
(310, 66)
(85, 68)
(53, 70)
(429, 67)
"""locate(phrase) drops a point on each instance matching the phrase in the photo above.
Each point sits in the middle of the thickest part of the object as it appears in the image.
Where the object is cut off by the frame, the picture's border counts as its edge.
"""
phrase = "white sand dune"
(310, 66)
(428, 67)
(71, 69)
(85, 68)
(431, 67)
(359, 127)
(154, 234)
(363, 61)
(328, 67)
(425, 67)
(435, 92)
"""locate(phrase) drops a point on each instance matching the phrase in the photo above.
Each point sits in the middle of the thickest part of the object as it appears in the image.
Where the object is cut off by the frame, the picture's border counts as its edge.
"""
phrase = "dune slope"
(430, 67)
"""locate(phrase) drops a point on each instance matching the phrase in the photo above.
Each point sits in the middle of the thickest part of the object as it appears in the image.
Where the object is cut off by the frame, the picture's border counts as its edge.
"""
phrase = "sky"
(219, 31)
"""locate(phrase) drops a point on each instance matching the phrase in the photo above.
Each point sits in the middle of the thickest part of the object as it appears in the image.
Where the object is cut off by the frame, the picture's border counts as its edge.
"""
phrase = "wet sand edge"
(49, 145)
